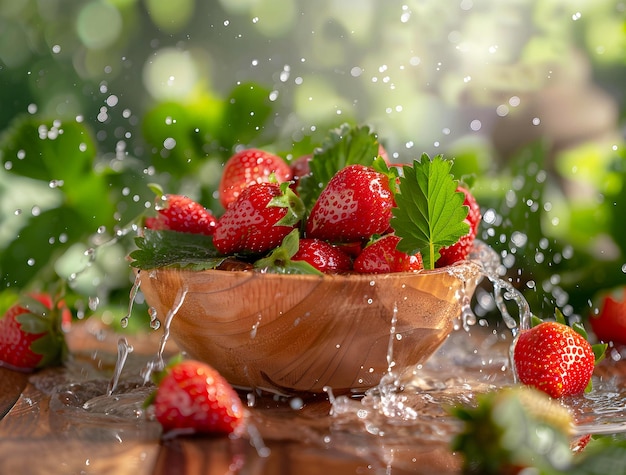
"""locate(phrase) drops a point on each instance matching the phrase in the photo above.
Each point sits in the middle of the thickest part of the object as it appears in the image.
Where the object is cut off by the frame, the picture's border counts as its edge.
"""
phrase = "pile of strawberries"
(348, 228)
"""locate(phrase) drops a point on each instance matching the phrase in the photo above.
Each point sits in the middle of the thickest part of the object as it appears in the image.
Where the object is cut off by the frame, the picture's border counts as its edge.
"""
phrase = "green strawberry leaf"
(560, 318)
(430, 213)
(279, 260)
(599, 351)
(52, 347)
(31, 323)
(291, 202)
(170, 248)
(344, 146)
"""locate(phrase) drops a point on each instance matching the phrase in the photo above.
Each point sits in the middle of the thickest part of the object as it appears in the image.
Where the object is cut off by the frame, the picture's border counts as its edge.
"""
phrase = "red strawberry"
(355, 204)
(300, 167)
(257, 221)
(182, 214)
(610, 323)
(192, 397)
(247, 167)
(323, 256)
(554, 358)
(461, 249)
(382, 257)
(31, 333)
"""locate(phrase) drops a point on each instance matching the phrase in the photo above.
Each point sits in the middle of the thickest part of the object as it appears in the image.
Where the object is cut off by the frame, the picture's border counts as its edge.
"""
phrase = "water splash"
(491, 268)
(134, 290)
(405, 398)
(157, 363)
(155, 324)
(392, 337)
(123, 350)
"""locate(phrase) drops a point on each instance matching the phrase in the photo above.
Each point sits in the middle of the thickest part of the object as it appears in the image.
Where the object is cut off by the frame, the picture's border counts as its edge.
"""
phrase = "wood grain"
(12, 383)
(293, 333)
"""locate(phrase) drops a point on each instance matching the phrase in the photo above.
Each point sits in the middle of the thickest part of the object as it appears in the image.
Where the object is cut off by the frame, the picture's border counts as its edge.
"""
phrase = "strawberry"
(554, 358)
(31, 333)
(461, 249)
(610, 324)
(355, 204)
(504, 432)
(382, 256)
(247, 167)
(323, 256)
(258, 220)
(182, 214)
(300, 167)
(192, 397)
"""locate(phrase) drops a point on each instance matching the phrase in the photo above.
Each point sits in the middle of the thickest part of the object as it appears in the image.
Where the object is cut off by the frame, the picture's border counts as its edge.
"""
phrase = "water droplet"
(93, 303)
(296, 403)
(155, 324)
(55, 183)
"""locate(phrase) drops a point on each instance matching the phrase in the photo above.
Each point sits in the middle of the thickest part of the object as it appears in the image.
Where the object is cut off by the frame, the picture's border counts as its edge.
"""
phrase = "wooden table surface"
(45, 428)
(37, 438)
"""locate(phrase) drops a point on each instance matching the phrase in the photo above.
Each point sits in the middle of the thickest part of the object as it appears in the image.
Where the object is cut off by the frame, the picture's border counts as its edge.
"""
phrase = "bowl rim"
(472, 264)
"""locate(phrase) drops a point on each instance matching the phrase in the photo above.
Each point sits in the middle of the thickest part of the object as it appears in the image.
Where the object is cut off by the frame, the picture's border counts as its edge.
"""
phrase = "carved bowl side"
(300, 333)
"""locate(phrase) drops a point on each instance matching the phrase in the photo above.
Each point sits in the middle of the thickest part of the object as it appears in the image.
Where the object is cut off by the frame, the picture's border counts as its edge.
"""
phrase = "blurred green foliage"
(100, 98)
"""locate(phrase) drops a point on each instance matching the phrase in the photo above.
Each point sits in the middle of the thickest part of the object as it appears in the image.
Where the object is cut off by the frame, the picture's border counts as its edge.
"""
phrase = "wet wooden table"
(39, 435)
(63, 421)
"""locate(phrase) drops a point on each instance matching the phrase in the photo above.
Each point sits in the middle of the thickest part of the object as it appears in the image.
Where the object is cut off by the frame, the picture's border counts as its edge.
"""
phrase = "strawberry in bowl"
(299, 284)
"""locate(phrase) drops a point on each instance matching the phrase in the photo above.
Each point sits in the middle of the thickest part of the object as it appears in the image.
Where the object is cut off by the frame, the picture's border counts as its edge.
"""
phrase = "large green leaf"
(37, 243)
(58, 152)
(430, 213)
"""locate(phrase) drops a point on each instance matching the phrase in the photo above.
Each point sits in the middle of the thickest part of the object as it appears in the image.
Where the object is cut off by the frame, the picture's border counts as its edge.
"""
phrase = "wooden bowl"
(299, 333)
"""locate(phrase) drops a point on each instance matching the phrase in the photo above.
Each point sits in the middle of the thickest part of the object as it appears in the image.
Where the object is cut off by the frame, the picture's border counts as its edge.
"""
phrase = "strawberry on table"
(382, 256)
(610, 324)
(180, 213)
(355, 204)
(192, 397)
(555, 358)
(258, 220)
(31, 333)
(461, 249)
(248, 167)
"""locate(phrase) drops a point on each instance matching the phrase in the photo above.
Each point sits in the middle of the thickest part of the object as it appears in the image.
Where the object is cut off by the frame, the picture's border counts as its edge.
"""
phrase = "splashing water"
(405, 398)
(490, 263)
(123, 350)
(134, 290)
(157, 363)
